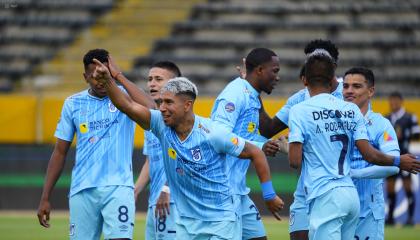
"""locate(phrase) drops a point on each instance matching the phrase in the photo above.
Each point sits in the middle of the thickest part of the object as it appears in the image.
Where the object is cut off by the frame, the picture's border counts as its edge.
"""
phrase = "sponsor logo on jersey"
(172, 153)
(71, 229)
(230, 107)
(83, 127)
(235, 141)
(251, 127)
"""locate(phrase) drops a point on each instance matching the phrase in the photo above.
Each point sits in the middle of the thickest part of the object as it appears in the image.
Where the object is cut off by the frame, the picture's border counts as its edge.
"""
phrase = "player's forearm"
(136, 93)
(374, 172)
(261, 165)
(374, 156)
(118, 98)
(55, 167)
(295, 155)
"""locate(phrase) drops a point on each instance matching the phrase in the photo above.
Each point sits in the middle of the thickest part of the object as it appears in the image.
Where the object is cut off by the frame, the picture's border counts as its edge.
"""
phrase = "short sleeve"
(387, 139)
(65, 128)
(156, 123)
(283, 113)
(360, 131)
(224, 141)
(226, 111)
(295, 126)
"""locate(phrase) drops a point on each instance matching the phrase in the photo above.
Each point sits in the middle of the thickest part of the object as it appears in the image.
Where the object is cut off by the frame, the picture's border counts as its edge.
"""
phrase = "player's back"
(327, 127)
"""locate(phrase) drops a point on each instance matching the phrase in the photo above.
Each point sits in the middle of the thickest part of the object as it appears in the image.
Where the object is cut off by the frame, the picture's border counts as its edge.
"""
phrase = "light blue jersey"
(237, 107)
(327, 127)
(153, 150)
(382, 136)
(104, 142)
(196, 167)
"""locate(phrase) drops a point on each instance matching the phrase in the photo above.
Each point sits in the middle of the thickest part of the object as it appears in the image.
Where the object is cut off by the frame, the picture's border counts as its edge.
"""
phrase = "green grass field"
(24, 226)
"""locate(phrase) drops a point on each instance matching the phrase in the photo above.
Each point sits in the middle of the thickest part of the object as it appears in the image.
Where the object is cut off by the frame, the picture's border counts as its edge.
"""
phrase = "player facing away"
(195, 150)
(161, 212)
(299, 219)
(101, 197)
(359, 88)
(237, 108)
(407, 129)
(323, 130)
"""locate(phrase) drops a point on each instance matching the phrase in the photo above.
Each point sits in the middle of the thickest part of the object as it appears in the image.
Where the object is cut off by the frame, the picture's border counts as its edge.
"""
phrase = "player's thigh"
(161, 227)
(299, 217)
(370, 228)
(85, 215)
(118, 212)
(252, 225)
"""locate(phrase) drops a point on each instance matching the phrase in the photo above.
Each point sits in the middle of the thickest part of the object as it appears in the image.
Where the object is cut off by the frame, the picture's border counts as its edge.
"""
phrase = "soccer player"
(407, 129)
(195, 150)
(299, 220)
(101, 197)
(359, 88)
(237, 108)
(162, 224)
(322, 130)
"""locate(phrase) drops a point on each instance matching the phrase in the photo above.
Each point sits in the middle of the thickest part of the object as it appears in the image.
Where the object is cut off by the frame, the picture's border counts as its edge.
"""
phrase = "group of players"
(197, 166)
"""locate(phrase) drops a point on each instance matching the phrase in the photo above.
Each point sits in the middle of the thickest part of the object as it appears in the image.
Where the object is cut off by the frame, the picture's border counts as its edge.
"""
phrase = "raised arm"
(137, 112)
(136, 93)
(274, 203)
(405, 162)
(55, 167)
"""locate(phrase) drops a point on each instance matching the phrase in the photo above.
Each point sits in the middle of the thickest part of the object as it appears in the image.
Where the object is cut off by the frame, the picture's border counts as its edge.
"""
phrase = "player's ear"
(371, 91)
(85, 76)
(188, 104)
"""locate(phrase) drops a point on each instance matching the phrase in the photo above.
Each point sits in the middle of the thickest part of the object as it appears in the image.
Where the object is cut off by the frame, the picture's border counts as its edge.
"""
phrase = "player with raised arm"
(237, 108)
(162, 212)
(359, 88)
(195, 150)
(101, 197)
(323, 130)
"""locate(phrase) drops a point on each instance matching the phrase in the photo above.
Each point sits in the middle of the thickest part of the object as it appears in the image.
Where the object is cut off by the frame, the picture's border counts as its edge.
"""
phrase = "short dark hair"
(100, 54)
(323, 44)
(168, 65)
(396, 94)
(257, 57)
(365, 72)
(319, 70)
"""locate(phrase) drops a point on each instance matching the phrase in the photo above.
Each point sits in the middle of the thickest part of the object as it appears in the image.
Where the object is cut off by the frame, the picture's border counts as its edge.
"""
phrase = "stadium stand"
(383, 35)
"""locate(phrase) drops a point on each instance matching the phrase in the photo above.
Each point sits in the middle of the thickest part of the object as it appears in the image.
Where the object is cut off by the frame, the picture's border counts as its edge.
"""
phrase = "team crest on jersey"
(172, 153)
(387, 137)
(71, 229)
(83, 127)
(251, 127)
(111, 107)
(230, 107)
(196, 154)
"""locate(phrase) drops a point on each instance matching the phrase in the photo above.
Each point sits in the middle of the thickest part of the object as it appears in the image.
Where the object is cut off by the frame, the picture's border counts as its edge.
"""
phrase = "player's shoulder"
(298, 96)
(234, 89)
(76, 98)
(378, 120)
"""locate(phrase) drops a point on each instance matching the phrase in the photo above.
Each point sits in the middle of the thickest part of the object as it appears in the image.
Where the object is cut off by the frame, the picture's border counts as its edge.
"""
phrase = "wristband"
(116, 75)
(268, 190)
(397, 161)
(166, 189)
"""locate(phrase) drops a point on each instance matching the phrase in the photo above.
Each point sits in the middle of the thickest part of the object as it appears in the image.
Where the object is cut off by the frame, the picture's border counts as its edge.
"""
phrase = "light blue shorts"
(108, 209)
(161, 228)
(251, 223)
(334, 215)
(299, 217)
(190, 228)
(370, 228)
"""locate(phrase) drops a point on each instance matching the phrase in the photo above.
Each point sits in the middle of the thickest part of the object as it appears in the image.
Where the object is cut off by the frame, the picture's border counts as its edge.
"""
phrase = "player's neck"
(254, 83)
(184, 128)
(334, 84)
(364, 109)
